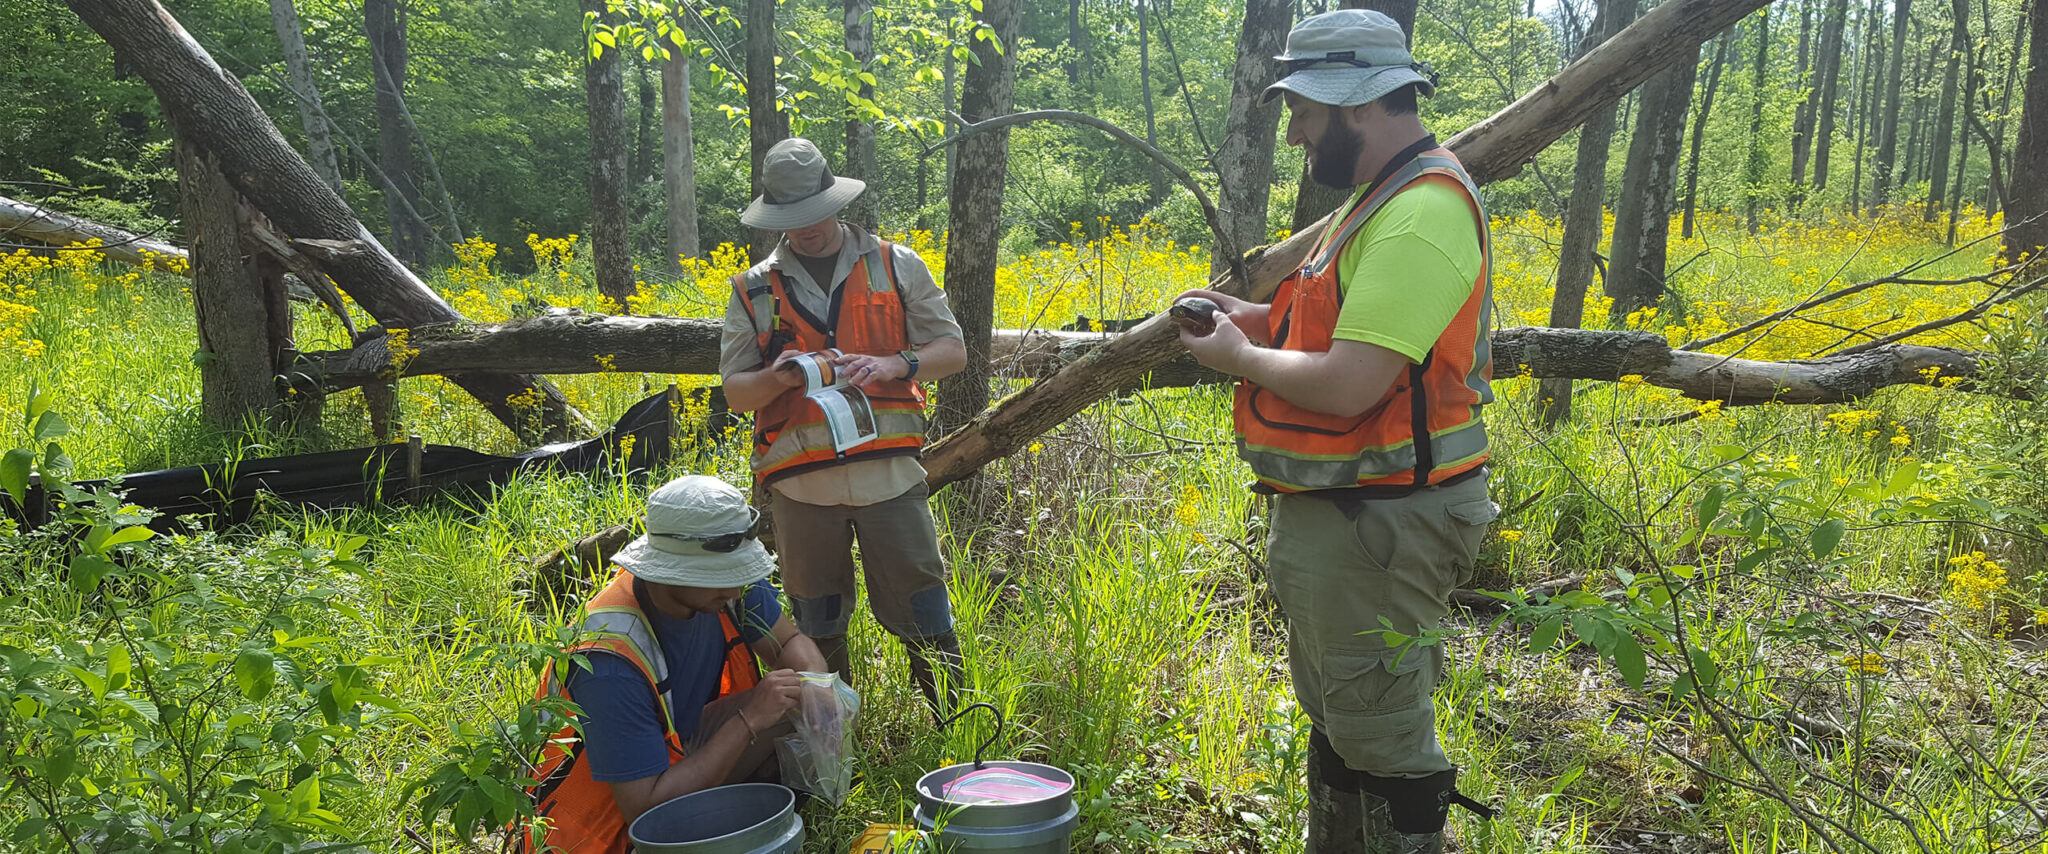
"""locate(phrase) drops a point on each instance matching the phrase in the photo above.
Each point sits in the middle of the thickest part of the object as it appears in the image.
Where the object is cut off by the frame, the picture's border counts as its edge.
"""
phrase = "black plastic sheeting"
(228, 492)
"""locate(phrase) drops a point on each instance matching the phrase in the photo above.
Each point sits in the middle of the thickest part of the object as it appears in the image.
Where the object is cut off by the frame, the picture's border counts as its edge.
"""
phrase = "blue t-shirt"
(622, 734)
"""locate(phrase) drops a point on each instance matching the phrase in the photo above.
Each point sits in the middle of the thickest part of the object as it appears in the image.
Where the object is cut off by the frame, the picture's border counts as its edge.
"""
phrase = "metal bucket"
(1044, 826)
(747, 818)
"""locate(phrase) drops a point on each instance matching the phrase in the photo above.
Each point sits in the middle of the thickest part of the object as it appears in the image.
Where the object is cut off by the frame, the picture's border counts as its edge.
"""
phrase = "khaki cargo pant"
(899, 555)
(1337, 567)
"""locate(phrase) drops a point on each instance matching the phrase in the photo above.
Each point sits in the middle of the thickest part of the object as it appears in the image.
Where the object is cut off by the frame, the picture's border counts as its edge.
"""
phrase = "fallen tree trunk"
(1495, 148)
(43, 225)
(210, 105)
(566, 344)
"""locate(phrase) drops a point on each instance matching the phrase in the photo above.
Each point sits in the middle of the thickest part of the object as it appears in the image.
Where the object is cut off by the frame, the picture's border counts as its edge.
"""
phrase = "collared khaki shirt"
(860, 482)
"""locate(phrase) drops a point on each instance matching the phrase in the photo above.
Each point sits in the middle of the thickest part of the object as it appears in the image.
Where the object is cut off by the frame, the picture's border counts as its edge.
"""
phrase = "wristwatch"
(909, 358)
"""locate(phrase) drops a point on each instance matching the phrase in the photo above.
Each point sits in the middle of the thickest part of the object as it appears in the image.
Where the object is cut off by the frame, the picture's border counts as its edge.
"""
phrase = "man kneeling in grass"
(674, 701)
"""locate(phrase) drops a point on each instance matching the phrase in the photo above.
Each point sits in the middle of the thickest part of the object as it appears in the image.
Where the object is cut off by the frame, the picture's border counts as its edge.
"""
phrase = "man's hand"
(793, 377)
(863, 371)
(1250, 317)
(1221, 350)
(777, 693)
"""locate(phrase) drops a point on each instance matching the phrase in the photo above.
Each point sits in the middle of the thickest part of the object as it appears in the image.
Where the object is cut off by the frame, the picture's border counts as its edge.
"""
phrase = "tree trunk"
(1882, 170)
(216, 113)
(1583, 219)
(975, 214)
(245, 323)
(1911, 167)
(645, 144)
(1803, 120)
(1996, 141)
(1757, 162)
(605, 91)
(766, 125)
(1830, 61)
(679, 163)
(949, 80)
(1868, 83)
(2028, 195)
(865, 211)
(1971, 74)
(1157, 174)
(1642, 216)
(1244, 159)
(284, 17)
(1312, 200)
(1945, 121)
(1699, 134)
(1495, 148)
(1077, 45)
(384, 24)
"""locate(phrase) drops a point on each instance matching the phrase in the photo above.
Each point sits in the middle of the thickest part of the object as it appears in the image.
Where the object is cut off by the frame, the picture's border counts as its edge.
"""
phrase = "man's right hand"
(775, 696)
(793, 378)
(1248, 316)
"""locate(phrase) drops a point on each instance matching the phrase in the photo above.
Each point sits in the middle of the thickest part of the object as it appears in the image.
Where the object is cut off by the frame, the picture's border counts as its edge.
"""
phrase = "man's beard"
(1336, 156)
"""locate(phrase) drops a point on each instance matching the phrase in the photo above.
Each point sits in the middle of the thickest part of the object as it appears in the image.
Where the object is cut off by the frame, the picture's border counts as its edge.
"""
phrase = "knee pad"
(1421, 805)
(1330, 769)
(821, 617)
(931, 615)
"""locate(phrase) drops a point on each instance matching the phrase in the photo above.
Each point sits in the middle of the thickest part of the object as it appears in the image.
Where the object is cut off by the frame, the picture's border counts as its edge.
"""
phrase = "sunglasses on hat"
(718, 543)
(1283, 68)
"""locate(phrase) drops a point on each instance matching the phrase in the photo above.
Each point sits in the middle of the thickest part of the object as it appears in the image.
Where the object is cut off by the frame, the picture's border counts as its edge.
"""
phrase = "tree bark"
(679, 163)
(1753, 170)
(1313, 201)
(1158, 175)
(766, 125)
(245, 323)
(384, 24)
(1244, 158)
(1494, 148)
(1996, 141)
(1830, 61)
(1945, 119)
(1583, 220)
(1077, 43)
(689, 345)
(211, 107)
(975, 213)
(35, 222)
(605, 91)
(1642, 216)
(284, 17)
(866, 210)
(1803, 120)
(1888, 131)
(1869, 81)
(1699, 135)
(2028, 194)
(645, 144)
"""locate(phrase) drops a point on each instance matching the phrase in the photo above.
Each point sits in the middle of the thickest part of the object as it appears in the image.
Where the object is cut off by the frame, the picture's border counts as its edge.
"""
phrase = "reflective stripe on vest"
(865, 316)
(581, 813)
(1293, 449)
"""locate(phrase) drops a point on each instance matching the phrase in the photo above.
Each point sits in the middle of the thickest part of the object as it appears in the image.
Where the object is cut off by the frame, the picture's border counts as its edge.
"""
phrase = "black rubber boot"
(836, 656)
(1335, 813)
(942, 651)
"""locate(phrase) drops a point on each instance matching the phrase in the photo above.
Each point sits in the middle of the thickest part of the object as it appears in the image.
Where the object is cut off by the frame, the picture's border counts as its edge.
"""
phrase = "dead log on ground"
(31, 221)
(210, 105)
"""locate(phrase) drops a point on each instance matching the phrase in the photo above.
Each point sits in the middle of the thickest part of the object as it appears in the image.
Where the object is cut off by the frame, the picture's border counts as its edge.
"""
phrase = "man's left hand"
(1221, 350)
(863, 371)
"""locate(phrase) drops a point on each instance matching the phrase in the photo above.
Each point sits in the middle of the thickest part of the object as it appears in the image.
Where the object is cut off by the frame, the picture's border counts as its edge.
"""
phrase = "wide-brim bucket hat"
(798, 188)
(700, 533)
(1346, 58)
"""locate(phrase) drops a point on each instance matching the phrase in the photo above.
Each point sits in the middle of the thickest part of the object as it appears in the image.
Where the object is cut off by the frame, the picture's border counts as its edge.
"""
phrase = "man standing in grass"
(1361, 412)
(674, 700)
(828, 285)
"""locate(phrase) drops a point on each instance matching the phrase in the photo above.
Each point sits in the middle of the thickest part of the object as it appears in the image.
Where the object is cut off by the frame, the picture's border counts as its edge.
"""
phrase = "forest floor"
(1775, 628)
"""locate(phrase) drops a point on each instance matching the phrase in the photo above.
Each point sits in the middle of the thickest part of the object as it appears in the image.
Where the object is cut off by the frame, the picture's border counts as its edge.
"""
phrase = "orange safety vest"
(1427, 429)
(866, 317)
(583, 818)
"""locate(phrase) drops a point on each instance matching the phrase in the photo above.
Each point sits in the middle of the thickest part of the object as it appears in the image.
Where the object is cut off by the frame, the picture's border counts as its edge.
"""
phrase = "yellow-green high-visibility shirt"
(1409, 269)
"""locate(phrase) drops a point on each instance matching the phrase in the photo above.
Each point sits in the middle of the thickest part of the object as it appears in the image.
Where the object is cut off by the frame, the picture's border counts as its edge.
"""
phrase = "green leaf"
(1903, 478)
(92, 682)
(1826, 536)
(1546, 634)
(1628, 658)
(145, 708)
(1750, 561)
(14, 470)
(87, 570)
(51, 426)
(55, 462)
(60, 765)
(255, 673)
(1710, 506)
(305, 796)
(118, 667)
(130, 534)
(39, 402)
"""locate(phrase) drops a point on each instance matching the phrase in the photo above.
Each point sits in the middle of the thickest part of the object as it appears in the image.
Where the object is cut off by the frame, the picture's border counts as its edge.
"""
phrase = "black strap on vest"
(1414, 150)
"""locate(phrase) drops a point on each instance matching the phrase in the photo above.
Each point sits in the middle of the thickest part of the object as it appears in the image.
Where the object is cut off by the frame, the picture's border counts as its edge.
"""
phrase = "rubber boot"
(837, 657)
(1335, 817)
(1382, 838)
(944, 651)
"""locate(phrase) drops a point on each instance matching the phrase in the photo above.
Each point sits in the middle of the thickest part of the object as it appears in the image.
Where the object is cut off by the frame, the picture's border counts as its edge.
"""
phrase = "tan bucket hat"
(798, 188)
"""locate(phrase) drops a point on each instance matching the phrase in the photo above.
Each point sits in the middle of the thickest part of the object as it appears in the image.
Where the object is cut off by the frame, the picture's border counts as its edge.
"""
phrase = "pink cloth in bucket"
(1000, 786)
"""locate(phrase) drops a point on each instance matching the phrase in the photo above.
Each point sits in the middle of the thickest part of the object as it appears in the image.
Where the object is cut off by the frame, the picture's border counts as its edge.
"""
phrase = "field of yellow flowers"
(1725, 589)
